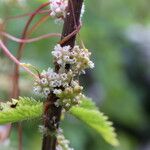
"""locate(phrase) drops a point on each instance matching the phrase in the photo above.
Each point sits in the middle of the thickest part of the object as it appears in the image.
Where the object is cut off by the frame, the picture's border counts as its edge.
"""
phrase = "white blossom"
(58, 9)
(72, 62)
(57, 91)
(78, 58)
(44, 81)
(37, 89)
(46, 91)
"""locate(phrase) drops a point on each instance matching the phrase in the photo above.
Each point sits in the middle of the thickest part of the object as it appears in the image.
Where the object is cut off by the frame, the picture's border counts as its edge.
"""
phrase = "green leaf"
(26, 108)
(89, 113)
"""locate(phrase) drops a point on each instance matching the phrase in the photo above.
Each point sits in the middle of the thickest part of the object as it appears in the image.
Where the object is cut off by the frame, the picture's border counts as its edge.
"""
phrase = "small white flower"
(57, 103)
(91, 64)
(57, 47)
(37, 89)
(63, 76)
(73, 53)
(57, 54)
(67, 105)
(53, 76)
(44, 81)
(66, 48)
(46, 91)
(60, 61)
(65, 84)
(49, 71)
(72, 61)
(58, 9)
(58, 83)
(74, 83)
(57, 91)
(55, 83)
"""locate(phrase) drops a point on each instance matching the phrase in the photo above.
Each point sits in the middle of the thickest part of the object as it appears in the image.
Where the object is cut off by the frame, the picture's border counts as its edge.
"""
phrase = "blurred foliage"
(121, 90)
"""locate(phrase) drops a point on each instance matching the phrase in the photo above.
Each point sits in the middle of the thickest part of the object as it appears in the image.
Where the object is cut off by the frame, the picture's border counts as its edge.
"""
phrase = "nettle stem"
(71, 23)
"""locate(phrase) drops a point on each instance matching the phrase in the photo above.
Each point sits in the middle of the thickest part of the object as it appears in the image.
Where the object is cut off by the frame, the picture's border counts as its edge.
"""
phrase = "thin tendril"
(30, 40)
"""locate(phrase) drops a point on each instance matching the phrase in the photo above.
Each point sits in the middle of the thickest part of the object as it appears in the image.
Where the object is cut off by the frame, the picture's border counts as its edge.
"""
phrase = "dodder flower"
(77, 58)
(58, 9)
(72, 62)
(50, 81)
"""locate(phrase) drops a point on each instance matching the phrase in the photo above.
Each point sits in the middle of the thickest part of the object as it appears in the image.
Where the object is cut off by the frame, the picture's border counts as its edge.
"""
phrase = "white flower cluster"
(58, 9)
(77, 58)
(63, 144)
(51, 81)
(72, 62)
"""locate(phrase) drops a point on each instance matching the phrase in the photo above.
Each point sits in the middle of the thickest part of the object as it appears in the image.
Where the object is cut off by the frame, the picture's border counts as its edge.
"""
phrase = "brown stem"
(71, 22)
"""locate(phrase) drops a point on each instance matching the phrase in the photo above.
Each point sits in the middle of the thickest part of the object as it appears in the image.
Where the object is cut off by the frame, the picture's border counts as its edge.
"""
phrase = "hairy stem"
(72, 21)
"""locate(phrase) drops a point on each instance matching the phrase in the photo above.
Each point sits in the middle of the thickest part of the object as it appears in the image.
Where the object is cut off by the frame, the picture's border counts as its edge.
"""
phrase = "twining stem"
(45, 36)
(15, 92)
(11, 57)
(71, 22)
(42, 20)
(32, 39)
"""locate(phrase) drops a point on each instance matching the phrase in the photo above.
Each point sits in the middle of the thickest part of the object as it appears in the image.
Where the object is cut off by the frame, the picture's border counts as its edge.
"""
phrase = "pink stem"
(10, 56)
(30, 40)
(28, 14)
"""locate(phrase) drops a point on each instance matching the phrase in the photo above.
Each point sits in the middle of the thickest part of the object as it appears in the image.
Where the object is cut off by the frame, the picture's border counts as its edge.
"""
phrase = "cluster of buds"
(77, 59)
(58, 9)
(63, 144)
(70, 96)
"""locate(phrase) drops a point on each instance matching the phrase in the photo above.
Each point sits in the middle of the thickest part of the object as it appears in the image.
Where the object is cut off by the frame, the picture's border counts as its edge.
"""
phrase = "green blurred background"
(117, 32)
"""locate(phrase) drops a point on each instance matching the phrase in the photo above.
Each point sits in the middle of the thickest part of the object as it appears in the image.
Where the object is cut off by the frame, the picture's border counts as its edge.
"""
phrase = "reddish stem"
(11, 57)
(41, 37)
(32, 39)
(15, 92)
